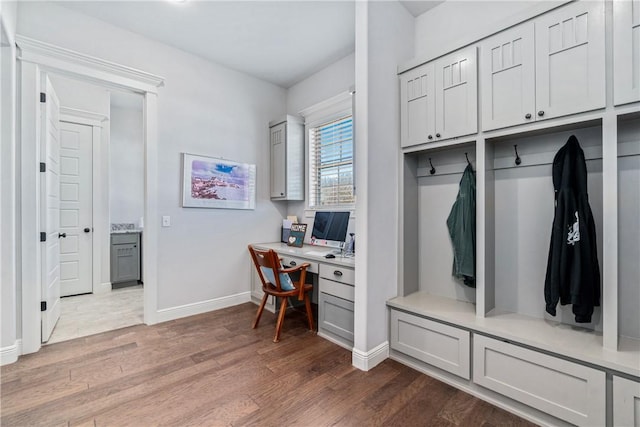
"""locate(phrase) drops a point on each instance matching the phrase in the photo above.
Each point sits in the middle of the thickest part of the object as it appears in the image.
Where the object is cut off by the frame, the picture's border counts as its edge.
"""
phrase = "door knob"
(87, 229)
(63, 235)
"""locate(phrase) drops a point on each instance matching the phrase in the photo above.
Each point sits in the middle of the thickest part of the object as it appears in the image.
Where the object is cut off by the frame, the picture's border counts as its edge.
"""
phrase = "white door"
(626, 51)
(507, 78)
(457, 94)
(570, 60)
(50, 208)
(76, 142)
(417, 106)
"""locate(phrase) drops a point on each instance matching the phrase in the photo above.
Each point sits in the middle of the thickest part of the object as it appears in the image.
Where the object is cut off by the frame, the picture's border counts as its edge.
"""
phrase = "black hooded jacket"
(573, 274)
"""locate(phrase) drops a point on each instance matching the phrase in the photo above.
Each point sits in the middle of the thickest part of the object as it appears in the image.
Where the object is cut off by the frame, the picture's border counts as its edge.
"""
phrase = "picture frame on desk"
(296, 235)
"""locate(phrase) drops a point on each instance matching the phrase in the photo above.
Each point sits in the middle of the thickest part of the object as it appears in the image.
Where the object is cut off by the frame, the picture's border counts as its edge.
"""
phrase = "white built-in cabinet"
(626, 51)
(286, 138)
(545, 68)
(439, 99)
(540, 82)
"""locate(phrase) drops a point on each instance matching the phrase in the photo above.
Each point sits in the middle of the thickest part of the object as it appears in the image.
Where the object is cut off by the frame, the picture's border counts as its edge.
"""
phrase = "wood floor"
(214, 370)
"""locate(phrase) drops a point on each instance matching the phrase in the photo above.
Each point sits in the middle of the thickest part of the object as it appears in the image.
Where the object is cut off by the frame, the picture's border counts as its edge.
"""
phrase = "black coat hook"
(518, 159)
(433, 170)
(467, 157)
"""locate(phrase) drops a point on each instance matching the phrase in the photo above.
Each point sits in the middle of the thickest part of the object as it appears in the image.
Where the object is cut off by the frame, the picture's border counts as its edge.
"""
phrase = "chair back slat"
(267, 259)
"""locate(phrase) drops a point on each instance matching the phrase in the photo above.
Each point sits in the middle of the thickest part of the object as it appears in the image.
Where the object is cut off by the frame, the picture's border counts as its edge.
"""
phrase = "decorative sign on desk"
(296, 236)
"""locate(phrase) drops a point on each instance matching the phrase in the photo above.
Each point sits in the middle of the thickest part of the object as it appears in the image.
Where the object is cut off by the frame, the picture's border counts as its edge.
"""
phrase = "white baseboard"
(10, 353)
(370, 359)
(180, 311)
(102, 288)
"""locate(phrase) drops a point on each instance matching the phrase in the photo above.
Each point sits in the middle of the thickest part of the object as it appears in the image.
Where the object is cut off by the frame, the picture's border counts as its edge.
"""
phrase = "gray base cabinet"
(335, 304)
(125, 257)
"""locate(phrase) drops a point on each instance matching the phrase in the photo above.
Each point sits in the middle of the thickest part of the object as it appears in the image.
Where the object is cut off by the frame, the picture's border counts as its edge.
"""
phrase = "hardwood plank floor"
(214, 370)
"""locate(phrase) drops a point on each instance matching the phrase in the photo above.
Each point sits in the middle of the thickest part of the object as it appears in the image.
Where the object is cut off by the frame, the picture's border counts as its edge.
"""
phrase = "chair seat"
(292, 293)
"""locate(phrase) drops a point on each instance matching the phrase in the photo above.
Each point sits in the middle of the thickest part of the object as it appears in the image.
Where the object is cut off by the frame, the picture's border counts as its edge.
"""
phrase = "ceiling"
(282, 42)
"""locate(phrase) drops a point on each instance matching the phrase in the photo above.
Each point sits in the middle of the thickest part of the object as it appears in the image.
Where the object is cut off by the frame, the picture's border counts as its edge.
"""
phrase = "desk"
(333, 280)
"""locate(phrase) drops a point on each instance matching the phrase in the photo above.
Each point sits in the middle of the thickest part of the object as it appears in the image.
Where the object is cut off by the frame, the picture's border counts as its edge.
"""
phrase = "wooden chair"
(276, 281)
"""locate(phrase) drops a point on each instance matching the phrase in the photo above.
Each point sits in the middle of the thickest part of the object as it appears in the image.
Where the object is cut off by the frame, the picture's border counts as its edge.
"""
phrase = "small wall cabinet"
(439, 99)
(125, 257)
(287, 158)
(545, 68)
(626, 51)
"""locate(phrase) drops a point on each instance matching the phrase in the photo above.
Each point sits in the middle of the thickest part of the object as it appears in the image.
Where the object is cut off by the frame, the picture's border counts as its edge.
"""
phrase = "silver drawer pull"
(337, 273)
(292, 263)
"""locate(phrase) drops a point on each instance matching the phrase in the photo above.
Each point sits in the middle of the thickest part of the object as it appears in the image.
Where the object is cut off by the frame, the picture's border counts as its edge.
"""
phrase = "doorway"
(35, 60)
(98, 303)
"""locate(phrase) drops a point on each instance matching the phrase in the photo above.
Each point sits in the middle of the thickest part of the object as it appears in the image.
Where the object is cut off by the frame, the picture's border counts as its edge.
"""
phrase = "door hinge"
(43, 167)
(43, 306)
(43, 97)
(43, 236)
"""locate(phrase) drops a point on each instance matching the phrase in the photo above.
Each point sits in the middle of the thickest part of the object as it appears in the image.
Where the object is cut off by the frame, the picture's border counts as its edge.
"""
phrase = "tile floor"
(90, 314)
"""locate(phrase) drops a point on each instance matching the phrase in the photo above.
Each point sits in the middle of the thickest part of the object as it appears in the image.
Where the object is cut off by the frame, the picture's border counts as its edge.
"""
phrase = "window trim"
(323, 112)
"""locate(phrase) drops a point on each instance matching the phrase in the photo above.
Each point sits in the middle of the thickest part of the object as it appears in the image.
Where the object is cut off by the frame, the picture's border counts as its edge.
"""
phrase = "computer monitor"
(330, 228)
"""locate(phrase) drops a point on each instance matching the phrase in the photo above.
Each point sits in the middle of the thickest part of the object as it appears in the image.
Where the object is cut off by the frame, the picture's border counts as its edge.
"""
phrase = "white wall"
(126, 166)
(8, 292)
(388, 29)
(333, 80)
(203, 109)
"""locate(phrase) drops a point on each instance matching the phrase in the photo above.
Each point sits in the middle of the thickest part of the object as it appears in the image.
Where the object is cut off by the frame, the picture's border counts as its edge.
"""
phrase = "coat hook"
(433, 170)
(467, 157)
(518, 159)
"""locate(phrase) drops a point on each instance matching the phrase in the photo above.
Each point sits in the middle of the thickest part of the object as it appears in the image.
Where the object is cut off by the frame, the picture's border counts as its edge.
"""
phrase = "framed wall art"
(209, 182)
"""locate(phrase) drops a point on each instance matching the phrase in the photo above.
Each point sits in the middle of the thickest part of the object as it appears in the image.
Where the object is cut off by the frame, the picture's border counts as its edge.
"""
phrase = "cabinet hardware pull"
(292, 263)
(87, 229)
(337, 273)
(528, 116)
(437, 135)
(430, 136)
(63, 235)
(541, 113)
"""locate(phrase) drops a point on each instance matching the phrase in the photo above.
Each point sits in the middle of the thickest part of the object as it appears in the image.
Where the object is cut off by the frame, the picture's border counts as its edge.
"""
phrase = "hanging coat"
(573, 274)
(462, 229)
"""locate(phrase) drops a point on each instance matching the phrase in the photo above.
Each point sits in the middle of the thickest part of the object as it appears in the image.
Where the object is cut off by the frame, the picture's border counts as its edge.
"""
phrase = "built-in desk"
(333, 280)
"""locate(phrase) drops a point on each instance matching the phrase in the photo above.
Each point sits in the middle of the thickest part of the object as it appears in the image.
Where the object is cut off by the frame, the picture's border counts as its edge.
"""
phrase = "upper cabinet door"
(417, 106)
(570, 60)
(278, 161)
(457, 94)
(507, 78)
(626, 51)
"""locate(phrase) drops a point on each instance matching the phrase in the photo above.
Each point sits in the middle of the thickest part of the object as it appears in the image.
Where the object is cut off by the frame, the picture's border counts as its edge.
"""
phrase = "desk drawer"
(340, 290)
(289, 261)
(338, 274)
(567, 390)
(335, 317)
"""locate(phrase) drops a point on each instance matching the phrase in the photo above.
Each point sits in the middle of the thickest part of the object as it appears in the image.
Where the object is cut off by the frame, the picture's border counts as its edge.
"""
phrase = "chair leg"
(307, 303)
(283, 309)
(259, 313)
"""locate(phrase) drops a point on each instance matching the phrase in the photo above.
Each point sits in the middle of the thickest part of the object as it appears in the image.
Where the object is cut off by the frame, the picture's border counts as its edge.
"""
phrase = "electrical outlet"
(166, 221)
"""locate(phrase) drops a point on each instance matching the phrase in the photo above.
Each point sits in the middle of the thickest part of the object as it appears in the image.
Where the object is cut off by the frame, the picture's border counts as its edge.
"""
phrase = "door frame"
(99, 215)
(34, 59)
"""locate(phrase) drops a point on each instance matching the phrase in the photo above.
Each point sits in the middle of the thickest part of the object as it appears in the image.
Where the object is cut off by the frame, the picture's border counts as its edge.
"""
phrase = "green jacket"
(462, 229)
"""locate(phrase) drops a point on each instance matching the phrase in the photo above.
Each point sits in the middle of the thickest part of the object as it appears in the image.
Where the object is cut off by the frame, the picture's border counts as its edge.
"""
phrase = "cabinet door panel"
(507, 78)
(626, 51)
(417, 106)
(456, 94)
(626, 402)
(570, 60)
(278, 161)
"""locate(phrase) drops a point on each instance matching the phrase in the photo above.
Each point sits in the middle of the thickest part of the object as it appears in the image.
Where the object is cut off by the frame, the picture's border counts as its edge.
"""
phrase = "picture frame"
(211, 182)
(296, 235)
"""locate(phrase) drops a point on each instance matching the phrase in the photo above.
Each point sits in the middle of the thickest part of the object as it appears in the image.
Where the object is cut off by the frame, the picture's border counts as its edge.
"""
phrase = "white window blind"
(331, 164)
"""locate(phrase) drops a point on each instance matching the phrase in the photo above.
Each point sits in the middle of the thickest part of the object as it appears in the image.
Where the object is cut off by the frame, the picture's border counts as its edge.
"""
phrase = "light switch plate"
(166, 221)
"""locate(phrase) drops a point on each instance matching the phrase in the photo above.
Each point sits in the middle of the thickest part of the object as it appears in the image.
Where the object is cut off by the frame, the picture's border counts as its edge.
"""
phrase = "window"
(330, 153)
(331, 164)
